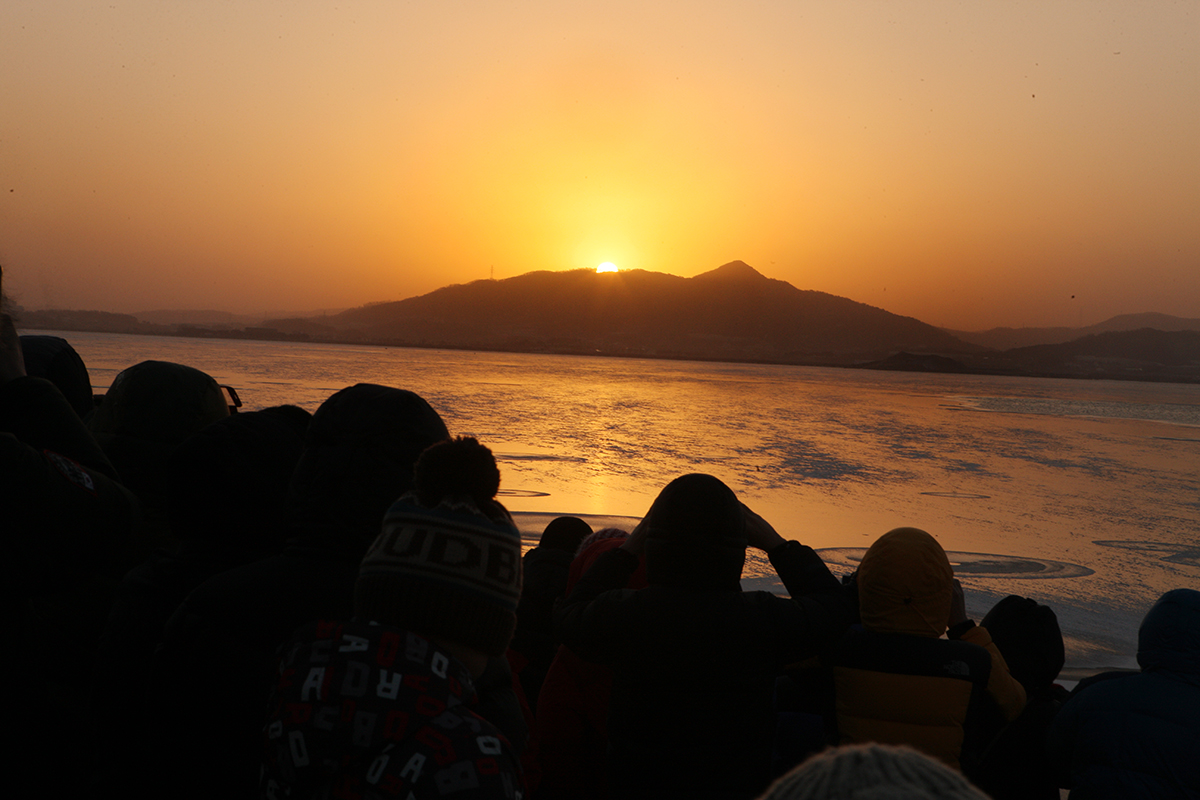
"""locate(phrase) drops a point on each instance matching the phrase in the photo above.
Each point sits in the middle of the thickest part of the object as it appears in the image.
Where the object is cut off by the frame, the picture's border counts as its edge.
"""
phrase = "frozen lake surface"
(1084, 495)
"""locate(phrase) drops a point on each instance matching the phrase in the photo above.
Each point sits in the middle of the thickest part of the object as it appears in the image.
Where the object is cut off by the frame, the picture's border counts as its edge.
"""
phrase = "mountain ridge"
(1007, 338)
(730, 312)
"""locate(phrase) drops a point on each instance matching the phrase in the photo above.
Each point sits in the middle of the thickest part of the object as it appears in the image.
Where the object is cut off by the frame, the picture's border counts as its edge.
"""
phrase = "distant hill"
(209, 318)
(730, 313)
(1144, 354)
(1009, 338)
(101, 321)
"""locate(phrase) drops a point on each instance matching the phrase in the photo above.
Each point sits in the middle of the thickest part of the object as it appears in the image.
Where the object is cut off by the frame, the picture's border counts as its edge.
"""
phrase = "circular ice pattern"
(974, 565)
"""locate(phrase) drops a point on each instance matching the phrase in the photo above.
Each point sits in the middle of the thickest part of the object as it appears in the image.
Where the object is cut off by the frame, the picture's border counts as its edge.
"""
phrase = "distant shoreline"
(897, 362)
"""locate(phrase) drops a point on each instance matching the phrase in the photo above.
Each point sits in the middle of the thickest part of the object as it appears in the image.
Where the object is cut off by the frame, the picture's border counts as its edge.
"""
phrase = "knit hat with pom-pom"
(872, 772)
(448, 562)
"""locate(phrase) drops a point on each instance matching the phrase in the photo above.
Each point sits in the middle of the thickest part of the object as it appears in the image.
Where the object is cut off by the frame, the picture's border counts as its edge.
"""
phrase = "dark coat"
(68, 524)
(571, 731)
(225, 488)
(544, 581)
(1016, 765)
(70, 519)
(1138, 735)
(218, 658)
(691, 713)
(214, 668)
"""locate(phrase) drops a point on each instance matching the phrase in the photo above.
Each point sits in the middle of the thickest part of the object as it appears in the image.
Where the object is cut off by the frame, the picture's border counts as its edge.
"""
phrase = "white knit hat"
(872, 772)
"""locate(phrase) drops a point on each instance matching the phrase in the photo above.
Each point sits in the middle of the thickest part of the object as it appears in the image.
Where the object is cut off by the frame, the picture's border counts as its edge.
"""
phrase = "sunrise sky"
(971, 164)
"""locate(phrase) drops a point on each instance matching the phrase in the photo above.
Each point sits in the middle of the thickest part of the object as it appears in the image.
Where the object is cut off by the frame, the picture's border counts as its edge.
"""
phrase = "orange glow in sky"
(971, 165)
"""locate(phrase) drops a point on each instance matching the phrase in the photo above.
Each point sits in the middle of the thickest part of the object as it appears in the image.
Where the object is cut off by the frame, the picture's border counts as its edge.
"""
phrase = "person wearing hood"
(1016, 765)
(1137, 735)
(53, 358)
(897, 681)
(149, 410)
(694, 658)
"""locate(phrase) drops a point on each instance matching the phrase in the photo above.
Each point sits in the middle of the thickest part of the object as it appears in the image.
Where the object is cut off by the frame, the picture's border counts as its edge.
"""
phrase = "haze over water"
(1083, 495)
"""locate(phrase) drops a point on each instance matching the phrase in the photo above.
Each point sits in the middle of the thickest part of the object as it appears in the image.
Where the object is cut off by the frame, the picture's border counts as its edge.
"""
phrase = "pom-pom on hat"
(448, 562)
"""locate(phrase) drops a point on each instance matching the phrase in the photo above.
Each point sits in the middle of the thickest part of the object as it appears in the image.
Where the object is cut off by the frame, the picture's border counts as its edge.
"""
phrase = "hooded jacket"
(897, 681)
(694, 658)
(1138, 735)
(1017, 765)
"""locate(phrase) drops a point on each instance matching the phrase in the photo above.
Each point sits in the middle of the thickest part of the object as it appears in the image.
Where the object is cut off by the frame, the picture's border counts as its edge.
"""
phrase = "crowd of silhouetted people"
(216, 603)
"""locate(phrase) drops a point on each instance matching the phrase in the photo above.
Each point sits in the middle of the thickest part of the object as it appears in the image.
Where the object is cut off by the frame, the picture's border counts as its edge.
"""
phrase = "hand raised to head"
(759, 533)
(958, 605)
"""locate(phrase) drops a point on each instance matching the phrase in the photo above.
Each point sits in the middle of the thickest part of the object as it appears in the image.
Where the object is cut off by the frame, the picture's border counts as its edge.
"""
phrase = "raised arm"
(798, 566)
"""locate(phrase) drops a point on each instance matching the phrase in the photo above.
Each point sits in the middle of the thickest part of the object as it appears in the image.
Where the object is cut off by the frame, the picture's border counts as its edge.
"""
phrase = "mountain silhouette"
(732, 312)
(1010, 338)
(1144, 353)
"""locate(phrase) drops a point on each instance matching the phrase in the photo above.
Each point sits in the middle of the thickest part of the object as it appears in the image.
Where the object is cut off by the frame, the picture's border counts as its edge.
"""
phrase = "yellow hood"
(905, 583)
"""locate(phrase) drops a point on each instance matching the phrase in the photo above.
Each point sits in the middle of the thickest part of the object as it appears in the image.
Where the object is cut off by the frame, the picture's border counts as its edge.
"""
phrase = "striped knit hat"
(448, 562)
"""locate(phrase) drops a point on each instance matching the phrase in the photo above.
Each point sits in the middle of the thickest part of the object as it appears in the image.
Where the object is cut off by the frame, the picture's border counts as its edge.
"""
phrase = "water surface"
(1081, 494)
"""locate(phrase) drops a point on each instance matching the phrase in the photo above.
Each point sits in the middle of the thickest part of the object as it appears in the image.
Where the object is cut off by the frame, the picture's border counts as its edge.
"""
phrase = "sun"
(607, 266)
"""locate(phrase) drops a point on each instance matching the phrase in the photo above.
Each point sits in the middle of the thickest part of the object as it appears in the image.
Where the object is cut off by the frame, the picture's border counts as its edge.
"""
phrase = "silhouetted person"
(694, 658)
(571, 730)
(67, 521)
(226, 499)
(1016, 765)
(382, 705)
(149, 410)
(53, 358)
(219, 652)
(545, 569)
(897, 681)
(1137, 735)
